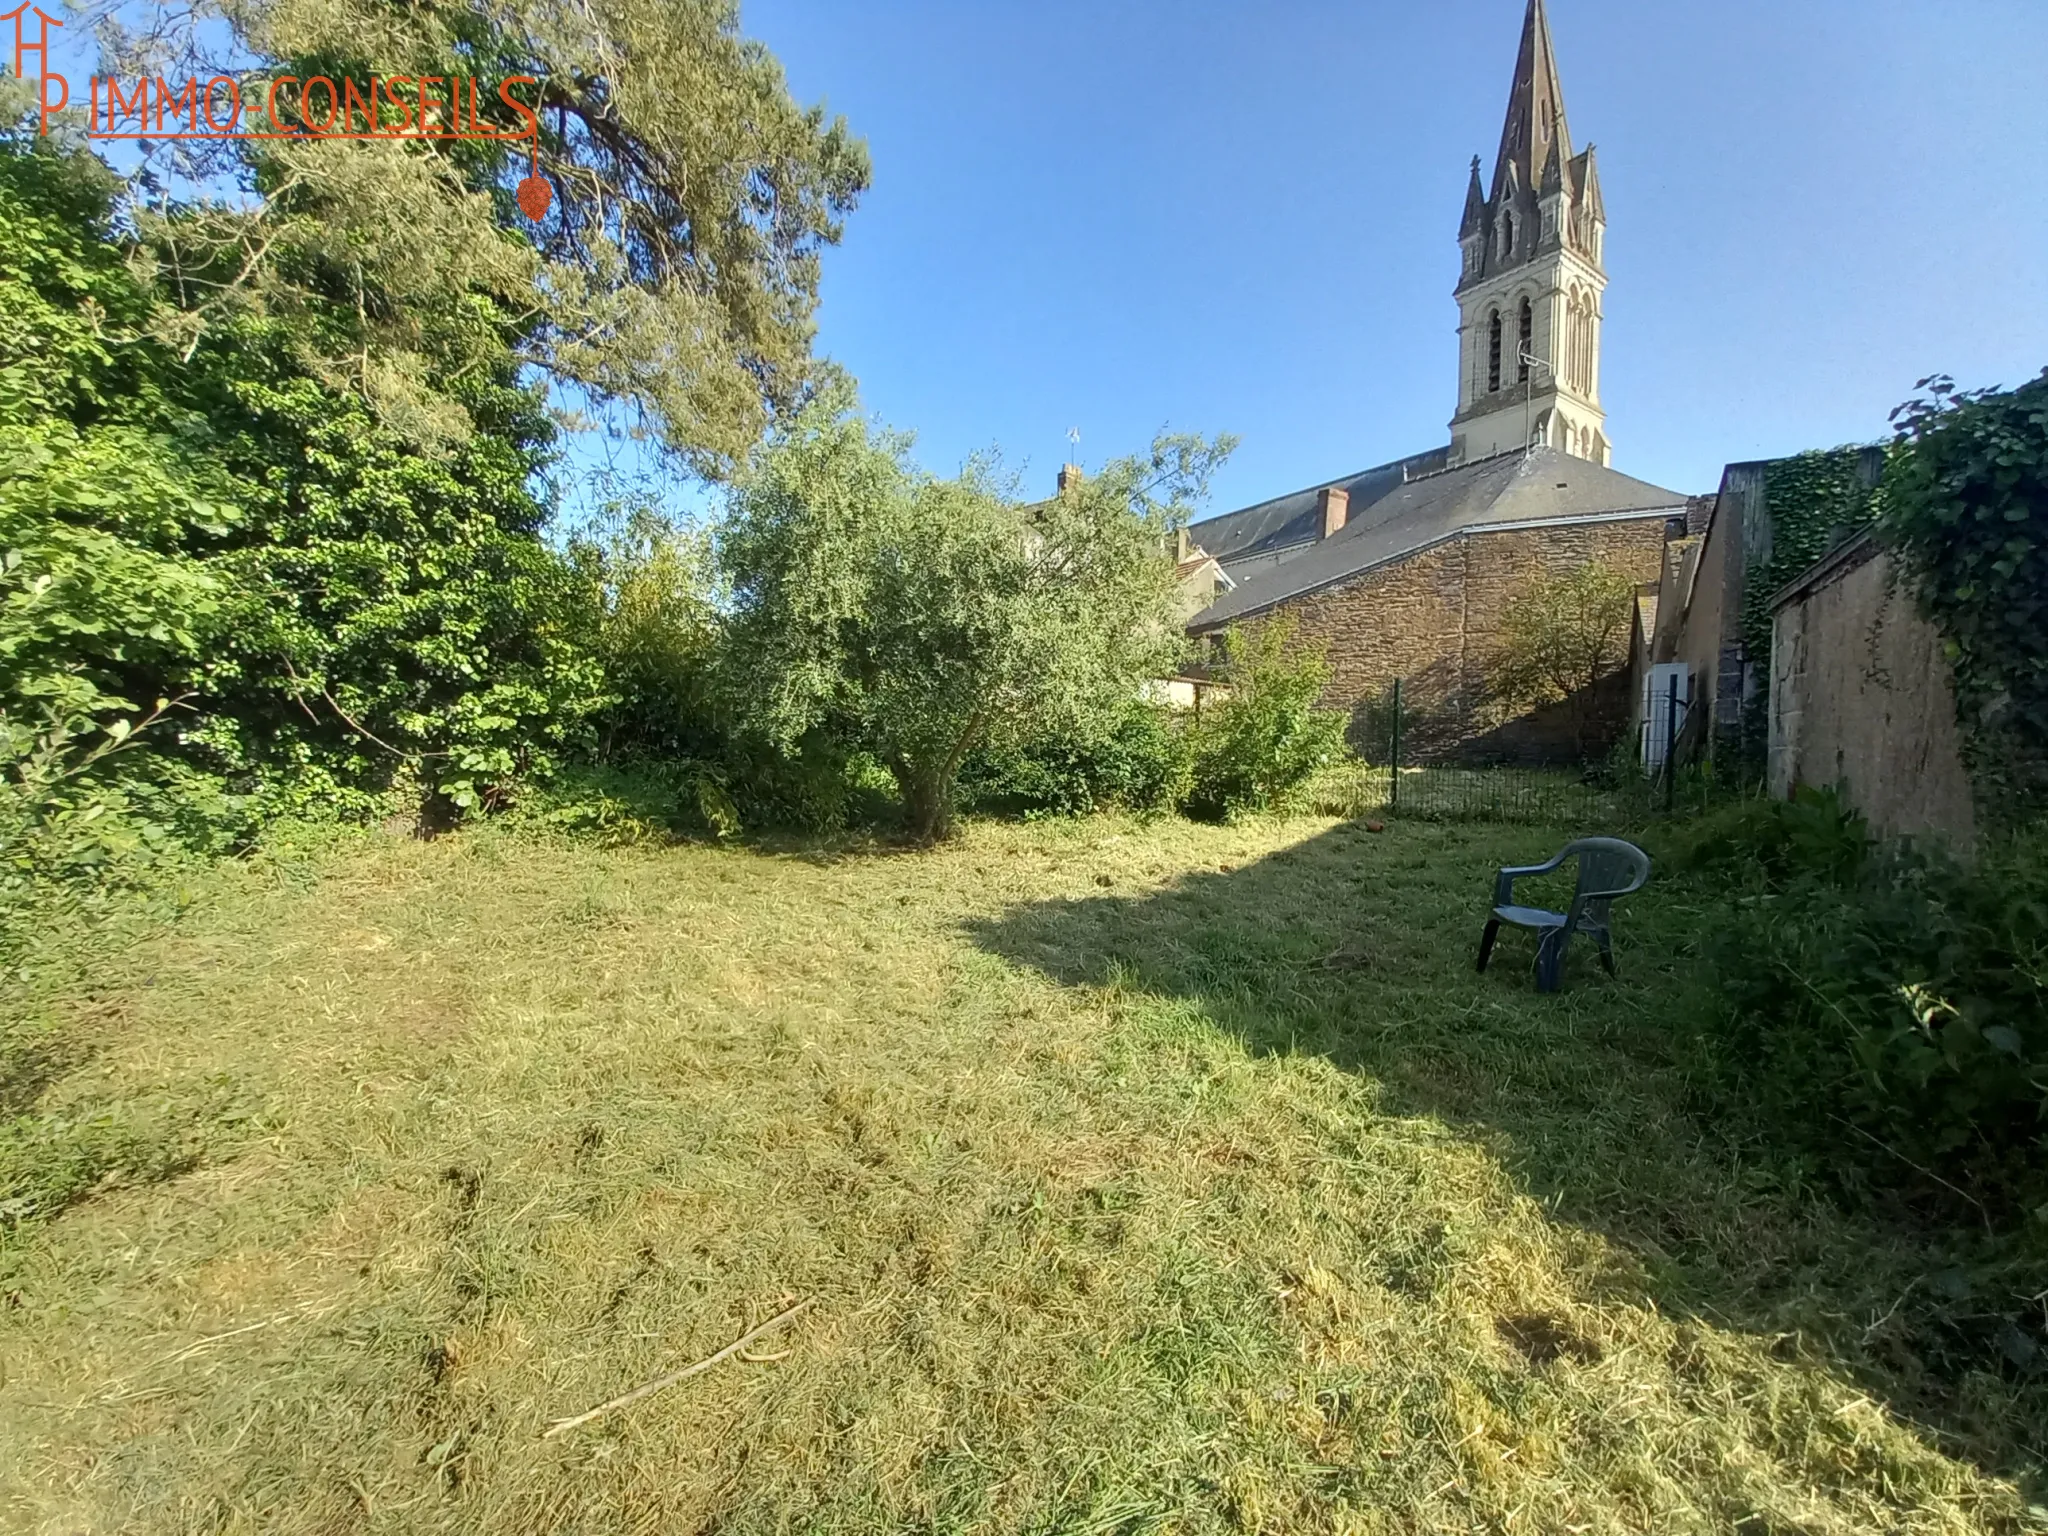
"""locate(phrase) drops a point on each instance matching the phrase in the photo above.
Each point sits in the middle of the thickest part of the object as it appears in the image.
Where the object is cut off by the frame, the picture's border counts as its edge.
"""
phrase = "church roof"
(1297, 518)
(1535, 130)
(1541, 487)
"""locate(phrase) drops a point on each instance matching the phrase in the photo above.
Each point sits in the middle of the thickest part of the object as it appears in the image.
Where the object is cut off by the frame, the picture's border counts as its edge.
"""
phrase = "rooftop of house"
(1540, 487)
(1297, 518)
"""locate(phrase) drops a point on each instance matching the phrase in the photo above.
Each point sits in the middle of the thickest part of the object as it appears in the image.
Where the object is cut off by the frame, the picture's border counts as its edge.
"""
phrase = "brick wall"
(1433, 620)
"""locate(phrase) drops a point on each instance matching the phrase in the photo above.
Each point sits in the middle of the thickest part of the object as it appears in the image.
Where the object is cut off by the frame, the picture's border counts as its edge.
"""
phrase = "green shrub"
(1259, 748)
(1775, 841)
(1139, 763)
(655, 594)
(333, 608)
(1884, 1006)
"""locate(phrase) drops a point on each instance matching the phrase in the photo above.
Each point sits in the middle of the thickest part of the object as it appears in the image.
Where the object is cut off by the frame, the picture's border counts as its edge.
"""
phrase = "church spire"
(1535, 133)
(1475, 205)
(1531, 278)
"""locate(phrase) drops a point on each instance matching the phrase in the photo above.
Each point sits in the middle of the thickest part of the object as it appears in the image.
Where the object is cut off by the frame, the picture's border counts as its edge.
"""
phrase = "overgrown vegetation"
(237, 582)
(273, 483)
(1813, 501)
(228, 592)
(1874, 1014)
(1883, 1003)
(1965, 502)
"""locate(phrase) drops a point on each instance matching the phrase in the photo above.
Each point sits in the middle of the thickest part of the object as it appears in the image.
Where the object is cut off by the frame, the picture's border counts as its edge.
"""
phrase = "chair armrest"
(1615, 894)
(1504, 882)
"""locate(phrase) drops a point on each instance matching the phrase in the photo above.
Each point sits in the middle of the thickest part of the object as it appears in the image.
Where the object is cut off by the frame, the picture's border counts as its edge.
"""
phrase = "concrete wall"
(1862, 698)
(1433, 620)
(1706, 627)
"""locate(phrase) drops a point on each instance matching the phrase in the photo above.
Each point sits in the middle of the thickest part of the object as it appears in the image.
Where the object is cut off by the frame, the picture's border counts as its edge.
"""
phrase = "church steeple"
(1474, 221)
(1535, 131)
(1532, 276)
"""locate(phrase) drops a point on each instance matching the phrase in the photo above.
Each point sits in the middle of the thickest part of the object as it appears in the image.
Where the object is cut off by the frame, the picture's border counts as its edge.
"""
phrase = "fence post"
(1670, 742)
(1394, 755)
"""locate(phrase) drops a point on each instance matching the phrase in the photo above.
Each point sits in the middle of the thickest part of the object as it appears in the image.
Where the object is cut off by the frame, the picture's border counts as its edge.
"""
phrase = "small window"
(1493, 353)
(1507, 235)
(1527, 332)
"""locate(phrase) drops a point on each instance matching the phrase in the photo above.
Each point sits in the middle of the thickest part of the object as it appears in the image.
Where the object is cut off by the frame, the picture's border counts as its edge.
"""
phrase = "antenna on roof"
(1074, 442)
(1530, 363)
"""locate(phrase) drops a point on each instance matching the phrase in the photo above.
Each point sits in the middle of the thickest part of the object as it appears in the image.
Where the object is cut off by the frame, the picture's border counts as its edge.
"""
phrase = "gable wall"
(1433, 620)
(1863, 699)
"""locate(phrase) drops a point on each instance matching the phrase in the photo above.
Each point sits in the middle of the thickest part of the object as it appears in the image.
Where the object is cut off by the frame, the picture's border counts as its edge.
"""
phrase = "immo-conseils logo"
(287, 107)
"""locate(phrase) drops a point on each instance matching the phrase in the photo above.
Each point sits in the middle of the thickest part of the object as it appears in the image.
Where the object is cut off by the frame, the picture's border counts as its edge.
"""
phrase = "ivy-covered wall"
(1805, 505)
(1965, 506)
(1812, 501)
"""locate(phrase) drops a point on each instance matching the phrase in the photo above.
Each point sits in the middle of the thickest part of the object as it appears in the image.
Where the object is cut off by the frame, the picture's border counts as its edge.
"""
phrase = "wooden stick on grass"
(627, 1400)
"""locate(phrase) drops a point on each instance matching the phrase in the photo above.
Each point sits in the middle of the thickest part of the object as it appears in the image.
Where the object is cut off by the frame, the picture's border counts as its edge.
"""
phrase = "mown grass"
(1146, 1178)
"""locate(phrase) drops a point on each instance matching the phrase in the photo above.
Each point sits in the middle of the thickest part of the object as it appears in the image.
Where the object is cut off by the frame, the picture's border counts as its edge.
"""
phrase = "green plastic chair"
(1609, 869)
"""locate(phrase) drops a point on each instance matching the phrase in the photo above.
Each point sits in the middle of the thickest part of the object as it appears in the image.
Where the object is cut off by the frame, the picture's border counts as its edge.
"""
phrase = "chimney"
(1182, 545)
(1070, 478)
(1335, 503)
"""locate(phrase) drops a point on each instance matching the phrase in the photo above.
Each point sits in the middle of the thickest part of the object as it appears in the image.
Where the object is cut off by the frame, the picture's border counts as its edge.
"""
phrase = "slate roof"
(1296, 518)
(1545, 485)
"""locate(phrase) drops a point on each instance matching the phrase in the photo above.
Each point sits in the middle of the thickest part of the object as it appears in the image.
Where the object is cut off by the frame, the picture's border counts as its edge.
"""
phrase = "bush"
(1882, 1005)
(1777, 842)
(1140, 763)
(1258, 749)
(653, 589)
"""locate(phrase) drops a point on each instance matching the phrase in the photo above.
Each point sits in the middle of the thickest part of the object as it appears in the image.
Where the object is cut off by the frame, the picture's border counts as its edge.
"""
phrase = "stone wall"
(1862, 699)
(1433, 620)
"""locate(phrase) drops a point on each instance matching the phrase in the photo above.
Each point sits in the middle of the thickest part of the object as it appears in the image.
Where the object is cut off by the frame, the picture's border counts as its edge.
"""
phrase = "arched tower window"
(1526, 334)
(1507, 236)
(1493, 352)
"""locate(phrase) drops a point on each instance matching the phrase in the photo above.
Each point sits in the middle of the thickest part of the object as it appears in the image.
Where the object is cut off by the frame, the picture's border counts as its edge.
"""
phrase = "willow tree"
(916, 618)
(675, 271)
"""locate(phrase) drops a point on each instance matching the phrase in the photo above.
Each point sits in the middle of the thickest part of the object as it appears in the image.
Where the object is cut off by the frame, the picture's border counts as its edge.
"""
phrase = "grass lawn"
(1140, 1178)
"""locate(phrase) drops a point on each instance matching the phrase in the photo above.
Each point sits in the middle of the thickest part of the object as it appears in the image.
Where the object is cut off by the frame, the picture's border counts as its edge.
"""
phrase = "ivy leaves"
(1965, 501)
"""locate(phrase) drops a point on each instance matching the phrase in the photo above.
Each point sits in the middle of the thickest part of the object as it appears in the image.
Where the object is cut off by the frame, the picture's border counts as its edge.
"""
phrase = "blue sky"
(1242, 217)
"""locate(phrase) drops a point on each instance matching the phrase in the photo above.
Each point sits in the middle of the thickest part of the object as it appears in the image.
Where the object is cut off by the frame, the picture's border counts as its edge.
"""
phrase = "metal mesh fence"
(1482, 793)
(1616, 790)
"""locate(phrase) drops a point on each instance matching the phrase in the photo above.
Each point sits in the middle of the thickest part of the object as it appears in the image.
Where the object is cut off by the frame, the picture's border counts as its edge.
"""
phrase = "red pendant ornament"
(534, 196)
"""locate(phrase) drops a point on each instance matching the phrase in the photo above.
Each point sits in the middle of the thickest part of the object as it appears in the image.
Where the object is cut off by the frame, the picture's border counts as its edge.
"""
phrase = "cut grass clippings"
(1141, 1178)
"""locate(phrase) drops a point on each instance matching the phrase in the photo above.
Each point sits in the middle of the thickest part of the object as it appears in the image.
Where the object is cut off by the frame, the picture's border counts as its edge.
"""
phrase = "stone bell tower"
(1530, 284)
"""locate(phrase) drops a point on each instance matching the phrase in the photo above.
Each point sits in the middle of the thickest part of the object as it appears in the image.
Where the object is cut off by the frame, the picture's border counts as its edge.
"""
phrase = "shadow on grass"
(1359, 947)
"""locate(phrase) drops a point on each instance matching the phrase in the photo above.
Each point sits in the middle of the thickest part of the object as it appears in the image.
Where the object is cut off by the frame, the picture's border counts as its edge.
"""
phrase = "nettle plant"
(1964, 501)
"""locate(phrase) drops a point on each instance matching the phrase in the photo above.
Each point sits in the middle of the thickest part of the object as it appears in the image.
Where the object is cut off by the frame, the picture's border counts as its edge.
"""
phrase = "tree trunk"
(928, 788)
(927, 802)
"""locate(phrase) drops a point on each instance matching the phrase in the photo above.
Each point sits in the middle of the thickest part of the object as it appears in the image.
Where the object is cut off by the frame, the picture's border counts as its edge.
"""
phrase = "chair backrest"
(1608, 867)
